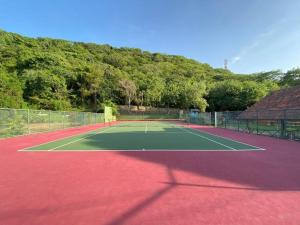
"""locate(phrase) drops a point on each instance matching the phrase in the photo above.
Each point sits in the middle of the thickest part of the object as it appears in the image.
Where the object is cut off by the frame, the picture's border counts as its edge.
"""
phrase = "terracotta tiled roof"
(279, 104)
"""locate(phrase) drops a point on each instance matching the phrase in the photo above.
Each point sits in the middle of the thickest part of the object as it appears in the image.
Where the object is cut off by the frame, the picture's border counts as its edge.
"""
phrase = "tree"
(10, 91)
(274, 75)
(171, 92)
(92, 81)
(110, 90)
(291, 78)
(192, 95)
(154, 90)
(237, 95)
(115, 60)
(45, 90)
(128, 89)
(59, 74)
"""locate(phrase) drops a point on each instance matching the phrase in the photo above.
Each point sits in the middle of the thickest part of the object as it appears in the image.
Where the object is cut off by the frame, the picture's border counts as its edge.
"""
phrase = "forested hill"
(56, 74)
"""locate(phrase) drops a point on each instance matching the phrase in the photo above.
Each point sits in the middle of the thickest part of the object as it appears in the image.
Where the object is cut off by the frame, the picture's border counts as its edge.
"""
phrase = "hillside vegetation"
(46, 73)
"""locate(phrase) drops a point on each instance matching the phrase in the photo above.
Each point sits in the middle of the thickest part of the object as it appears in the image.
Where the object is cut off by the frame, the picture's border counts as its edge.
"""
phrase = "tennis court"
(148, 172)
(145, 136)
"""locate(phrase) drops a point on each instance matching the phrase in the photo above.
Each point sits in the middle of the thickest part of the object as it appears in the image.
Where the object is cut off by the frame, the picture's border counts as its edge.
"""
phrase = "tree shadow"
(146, 202)
(274, 170)
(160, 139)
(252, 169)
(24, 214)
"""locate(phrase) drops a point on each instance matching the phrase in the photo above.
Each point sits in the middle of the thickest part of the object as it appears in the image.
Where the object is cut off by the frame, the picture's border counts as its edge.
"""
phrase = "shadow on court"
(151, 187)
(152, 139)
(276, 169)
(252, 169)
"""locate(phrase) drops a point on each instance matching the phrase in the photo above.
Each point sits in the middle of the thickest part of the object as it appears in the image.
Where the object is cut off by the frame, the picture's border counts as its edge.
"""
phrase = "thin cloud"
(260, 39)
(235, 59)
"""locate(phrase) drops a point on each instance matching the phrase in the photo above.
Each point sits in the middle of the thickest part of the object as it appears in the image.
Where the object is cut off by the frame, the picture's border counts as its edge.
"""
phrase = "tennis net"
(166, 123)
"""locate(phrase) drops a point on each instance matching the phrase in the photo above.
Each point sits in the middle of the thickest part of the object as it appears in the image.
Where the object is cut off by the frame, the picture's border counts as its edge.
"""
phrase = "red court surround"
(150, 188)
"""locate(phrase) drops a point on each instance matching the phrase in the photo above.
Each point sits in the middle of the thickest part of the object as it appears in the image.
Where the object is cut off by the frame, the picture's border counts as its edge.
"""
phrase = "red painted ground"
(174, 188)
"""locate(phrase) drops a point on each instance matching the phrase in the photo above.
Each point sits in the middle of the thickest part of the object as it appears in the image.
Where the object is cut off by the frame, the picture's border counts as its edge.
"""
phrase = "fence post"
(49, 120)
(28, 121)
(256, 122)
(283, 125)
(75, 118)
(62, 121)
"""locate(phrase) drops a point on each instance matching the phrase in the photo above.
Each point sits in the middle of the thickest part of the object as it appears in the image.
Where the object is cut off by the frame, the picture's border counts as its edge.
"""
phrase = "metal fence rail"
(26, 121)
(202, 118)
(276, 123)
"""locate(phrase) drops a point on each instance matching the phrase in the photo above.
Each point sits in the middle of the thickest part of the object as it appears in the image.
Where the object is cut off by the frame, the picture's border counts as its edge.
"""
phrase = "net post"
(216, 119)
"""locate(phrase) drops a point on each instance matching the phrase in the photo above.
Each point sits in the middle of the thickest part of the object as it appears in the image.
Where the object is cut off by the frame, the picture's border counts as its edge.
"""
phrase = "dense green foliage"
(56, 74)
(10, 90)
(237, 95)
(291, 78)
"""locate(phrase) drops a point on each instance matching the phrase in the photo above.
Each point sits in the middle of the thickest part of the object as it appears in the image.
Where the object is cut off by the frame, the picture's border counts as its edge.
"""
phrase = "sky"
(254, 35)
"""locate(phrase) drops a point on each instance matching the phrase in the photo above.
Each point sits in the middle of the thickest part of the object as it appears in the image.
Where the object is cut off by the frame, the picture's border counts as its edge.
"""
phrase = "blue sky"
(254, 35)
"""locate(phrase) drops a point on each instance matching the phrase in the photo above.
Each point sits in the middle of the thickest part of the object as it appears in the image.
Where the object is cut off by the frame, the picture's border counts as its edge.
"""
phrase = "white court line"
(71, 142)
(72, 136)
(59, 139)
(209, 139)
(197, 134)
(137, 150)
(152, 132)
(186, 130)
(200, 131)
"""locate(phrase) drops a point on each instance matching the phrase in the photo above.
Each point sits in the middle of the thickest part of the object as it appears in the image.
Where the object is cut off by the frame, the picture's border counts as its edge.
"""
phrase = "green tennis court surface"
(145, 136)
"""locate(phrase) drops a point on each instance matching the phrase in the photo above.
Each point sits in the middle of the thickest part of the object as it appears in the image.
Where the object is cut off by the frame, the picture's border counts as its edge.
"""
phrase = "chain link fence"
(201, 118)
(149, 113)
(276, 123)
(26, 121)
(139, 115)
